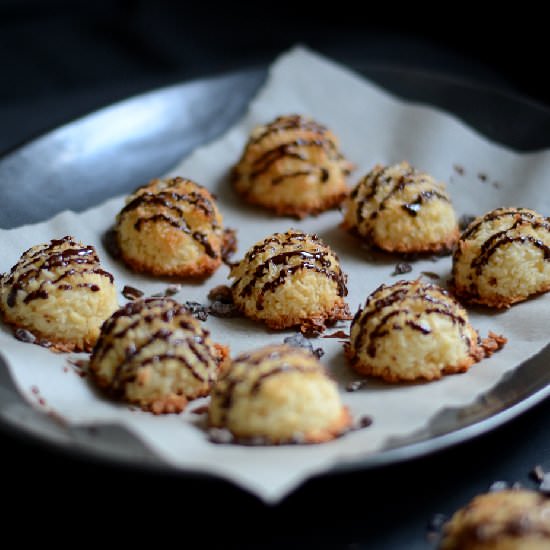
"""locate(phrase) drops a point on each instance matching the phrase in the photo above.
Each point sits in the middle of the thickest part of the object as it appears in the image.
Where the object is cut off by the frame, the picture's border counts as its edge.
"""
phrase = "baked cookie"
(503, 257)
(292, 166)
(171, 227)
(278, 394)
(153, 353)
(410, 331)
(400, 209)
(58, 292)
(503, 520)
(290, 279)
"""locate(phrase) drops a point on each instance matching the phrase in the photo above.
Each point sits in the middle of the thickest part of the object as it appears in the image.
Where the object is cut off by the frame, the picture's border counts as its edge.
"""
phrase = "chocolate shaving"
(199, 311)
(337, 334)
(363, 422)
(172, 290)
(299, 341)
(464, 221)
(131, 293)
(402, 268)
(430, 274)
(482, 176)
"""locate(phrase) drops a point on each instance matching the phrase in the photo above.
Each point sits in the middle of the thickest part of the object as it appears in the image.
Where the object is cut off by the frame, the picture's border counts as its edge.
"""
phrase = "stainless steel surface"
(106, 153)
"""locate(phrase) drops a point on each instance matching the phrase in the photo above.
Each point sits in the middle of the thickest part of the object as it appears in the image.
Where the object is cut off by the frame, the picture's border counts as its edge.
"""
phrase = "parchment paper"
(373, 128)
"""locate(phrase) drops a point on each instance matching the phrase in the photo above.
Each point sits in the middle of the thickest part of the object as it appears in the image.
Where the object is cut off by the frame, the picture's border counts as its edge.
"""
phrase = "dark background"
(61, 59)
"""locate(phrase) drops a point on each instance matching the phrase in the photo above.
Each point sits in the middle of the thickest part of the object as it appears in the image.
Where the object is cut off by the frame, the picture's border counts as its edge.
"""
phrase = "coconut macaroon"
(59, 293)
(278, 394)
(503, 257)
(411, 331)
(171, 227)
(292, 166)
(503, 520)
(291, 279)
(400, 209)
(153, 353)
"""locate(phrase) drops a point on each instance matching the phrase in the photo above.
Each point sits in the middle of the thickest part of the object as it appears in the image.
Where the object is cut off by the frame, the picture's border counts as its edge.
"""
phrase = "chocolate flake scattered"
(459, 169)
(220, 436)
(24, 335)
(200, 410)
(544, 487)
(337, 334)
(298, 340)
(430, 274)
(537, 473)
(402, 268)
(499, 486)
(465, 220)
(482, 176)
(199, 311)
(356, 385)
(131, 293)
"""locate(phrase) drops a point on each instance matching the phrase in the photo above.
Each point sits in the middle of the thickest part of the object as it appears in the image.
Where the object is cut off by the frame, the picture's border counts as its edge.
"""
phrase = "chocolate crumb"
(24, 335)
(199, 311)
(337, 334)
(356, 385)
(537, 473)
(220, 436)
(430, 274)
(131, 293)
(298, 340)
(200, 410)
(498, 486)
(465, 220)
(363, 422)
(544, 486)
(221, 293)
(482, 176)
(459, 169)
(402, 268)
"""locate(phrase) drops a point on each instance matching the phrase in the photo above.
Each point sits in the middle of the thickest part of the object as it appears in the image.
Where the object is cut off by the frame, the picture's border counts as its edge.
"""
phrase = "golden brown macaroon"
(278, 394)
(153, 353)
(292, 166)
(171, 227)
(58, 293)
(501, 520)
(503, 257)
(290, 279)
(399, 209)
(410, 331)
